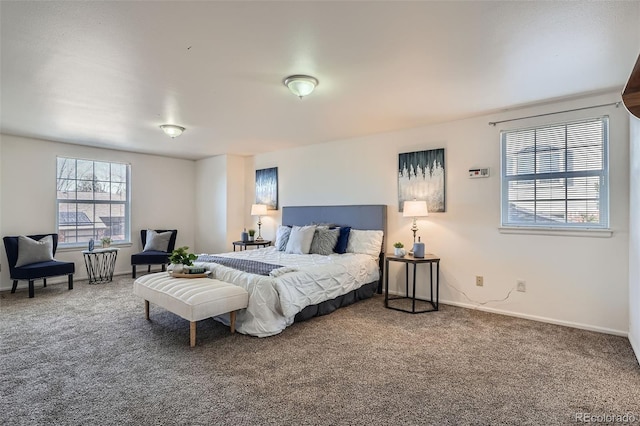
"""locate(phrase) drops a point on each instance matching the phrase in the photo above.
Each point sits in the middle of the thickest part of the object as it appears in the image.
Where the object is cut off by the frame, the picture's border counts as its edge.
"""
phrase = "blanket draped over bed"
(245, 265)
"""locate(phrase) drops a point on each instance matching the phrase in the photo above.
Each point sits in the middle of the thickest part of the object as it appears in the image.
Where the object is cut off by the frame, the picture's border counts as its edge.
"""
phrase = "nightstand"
(410, 260)
(244, 244)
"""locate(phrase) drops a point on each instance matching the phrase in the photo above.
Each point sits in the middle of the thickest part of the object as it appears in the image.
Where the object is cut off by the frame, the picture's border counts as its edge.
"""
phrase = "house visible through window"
(556, 175)
(93, 201)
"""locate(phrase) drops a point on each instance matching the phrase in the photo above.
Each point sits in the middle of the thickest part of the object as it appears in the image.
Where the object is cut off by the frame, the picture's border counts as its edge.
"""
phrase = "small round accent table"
(100, 264)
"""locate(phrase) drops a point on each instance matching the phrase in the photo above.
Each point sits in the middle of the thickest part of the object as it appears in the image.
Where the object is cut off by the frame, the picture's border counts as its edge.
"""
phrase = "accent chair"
(40, 268)
(153, 255)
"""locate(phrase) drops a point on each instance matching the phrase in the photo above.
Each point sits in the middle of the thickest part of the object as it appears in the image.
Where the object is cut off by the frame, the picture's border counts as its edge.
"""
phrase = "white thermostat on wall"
(478, 173)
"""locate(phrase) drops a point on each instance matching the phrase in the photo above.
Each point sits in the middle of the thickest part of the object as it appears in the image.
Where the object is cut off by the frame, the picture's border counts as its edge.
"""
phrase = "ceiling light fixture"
(172, 130)
(301, 85)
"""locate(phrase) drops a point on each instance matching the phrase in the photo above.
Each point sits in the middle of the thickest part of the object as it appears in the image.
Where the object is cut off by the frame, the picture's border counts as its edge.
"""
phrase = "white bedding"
(304, 280)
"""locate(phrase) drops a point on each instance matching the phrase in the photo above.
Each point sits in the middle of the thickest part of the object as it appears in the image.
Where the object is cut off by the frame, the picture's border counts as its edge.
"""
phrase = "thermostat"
(479, 173)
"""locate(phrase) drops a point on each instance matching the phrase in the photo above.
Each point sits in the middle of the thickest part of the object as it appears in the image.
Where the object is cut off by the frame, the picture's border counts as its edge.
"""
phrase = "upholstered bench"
(193, 299)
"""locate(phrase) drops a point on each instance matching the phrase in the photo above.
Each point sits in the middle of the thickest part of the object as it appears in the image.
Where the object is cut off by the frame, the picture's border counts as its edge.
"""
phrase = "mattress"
(302, 280)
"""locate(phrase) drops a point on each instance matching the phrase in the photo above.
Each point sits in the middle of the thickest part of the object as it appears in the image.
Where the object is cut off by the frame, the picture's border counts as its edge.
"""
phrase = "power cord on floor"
(475, 301)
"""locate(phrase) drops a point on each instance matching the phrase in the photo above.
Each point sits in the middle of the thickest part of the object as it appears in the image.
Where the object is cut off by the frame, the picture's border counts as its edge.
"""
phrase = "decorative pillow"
(366, 242)
(324, 241)
(343, 239)
(300, 239)
(32, 251)
(157, 241)
(282, 237)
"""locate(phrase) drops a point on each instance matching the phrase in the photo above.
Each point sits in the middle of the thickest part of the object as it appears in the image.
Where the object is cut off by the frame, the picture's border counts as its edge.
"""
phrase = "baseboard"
(531, 317)
(62, 279)
(635, 345)
(539, 318)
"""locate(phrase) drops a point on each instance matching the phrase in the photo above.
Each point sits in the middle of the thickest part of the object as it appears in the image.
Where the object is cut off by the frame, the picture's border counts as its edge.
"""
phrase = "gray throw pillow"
(32, 251)
(282, 237)
(157, 241)
(324, 241)
(300, 239)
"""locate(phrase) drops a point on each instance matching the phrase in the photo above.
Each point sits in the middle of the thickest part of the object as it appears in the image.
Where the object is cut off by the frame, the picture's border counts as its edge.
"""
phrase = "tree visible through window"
(556, 175)
(93, 201)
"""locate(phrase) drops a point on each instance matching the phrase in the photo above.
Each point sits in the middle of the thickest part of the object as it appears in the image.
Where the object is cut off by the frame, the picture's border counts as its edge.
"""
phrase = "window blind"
(556, 175)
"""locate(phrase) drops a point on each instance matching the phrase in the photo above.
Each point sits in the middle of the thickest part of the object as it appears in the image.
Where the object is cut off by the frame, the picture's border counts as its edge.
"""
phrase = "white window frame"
(126, 203)
(561, 228)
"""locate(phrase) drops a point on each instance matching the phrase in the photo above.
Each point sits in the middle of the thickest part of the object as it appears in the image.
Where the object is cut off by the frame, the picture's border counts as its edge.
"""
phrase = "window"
(556, 176)
(93, 201)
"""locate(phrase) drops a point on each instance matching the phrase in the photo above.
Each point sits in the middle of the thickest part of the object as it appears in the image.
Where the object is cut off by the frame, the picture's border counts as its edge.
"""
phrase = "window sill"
(81, 247)
(557, 232)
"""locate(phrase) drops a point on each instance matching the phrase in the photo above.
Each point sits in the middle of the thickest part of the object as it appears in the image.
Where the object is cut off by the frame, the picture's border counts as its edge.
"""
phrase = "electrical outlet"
(479, 280)
(522, 286)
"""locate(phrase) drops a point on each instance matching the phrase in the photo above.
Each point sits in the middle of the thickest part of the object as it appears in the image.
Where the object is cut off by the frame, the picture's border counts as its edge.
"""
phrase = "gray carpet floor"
(88, 357)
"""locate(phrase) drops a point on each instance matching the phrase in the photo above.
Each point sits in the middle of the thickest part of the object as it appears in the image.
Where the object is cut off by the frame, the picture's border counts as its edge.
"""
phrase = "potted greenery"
(251, 232)
(180, 258)
(398, 249)
(106, 242)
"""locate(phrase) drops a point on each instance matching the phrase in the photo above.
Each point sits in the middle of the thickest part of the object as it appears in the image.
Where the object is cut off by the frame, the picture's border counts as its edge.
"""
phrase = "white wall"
(634, 238)
(578, 281)
(220, 202)
(162, 195)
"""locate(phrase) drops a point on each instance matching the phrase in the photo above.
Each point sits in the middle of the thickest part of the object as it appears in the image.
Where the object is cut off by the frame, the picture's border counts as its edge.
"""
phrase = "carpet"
(88, 356)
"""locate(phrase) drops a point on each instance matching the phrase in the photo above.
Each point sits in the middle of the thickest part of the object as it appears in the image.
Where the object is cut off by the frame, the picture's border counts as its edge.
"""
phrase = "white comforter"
(305, 279)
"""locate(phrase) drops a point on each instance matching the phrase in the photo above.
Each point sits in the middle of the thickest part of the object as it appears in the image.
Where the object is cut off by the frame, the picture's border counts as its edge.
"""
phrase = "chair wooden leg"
(44, 281)
(146, 309)
(133, 271)
(31, 289)
(149, 269)
(15, 285)
(70, 281)
(192, 333)
(164, 267)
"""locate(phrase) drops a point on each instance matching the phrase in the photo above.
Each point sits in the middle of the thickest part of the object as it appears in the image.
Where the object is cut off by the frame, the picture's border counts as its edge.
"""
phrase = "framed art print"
(421, 176)
(267, 187)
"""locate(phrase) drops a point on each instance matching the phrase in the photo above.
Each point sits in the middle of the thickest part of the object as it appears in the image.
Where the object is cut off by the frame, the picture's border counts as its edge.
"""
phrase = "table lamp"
(259, 210)
(415, 209)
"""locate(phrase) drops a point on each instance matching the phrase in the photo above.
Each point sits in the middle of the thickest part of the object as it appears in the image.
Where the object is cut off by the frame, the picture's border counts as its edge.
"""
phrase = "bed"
(285, 288)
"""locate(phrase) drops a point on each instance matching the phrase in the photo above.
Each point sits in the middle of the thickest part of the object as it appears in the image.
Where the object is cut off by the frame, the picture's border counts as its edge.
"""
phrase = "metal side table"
(428, 258)
(100, 264)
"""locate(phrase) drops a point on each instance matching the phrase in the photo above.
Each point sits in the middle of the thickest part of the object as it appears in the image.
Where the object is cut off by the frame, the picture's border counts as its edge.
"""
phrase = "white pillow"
(366, 242)
(300, 239)
(157, 241)
(32, 251)
(282, 237)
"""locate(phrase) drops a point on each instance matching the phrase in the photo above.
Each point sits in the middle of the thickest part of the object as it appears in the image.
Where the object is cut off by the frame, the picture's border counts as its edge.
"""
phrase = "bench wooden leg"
(146, 309)
(192, 333)
(232, 317)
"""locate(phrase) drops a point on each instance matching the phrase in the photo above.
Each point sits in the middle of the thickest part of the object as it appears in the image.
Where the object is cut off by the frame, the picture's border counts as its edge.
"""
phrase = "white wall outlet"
(522, 286)
(479, 280)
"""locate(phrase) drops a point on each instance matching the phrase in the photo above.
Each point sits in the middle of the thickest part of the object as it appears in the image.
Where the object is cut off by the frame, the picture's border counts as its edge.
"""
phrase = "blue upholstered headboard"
(372, 216)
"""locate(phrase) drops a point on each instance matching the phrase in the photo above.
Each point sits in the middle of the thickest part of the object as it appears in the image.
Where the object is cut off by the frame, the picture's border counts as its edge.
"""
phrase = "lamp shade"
(258, 209)
(301, 85)
(415, 209)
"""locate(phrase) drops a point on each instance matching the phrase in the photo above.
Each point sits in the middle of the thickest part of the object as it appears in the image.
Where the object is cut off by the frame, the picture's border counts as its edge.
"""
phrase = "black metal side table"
(100, 264)
(244, 244)
(428, 258)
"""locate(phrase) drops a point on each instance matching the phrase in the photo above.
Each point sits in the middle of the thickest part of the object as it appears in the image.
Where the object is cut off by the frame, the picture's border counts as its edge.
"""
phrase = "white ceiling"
(107, 74)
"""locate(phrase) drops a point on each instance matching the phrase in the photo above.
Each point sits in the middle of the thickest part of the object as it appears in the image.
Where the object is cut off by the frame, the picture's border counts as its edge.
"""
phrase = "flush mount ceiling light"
(172, 130)
(301, 85)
